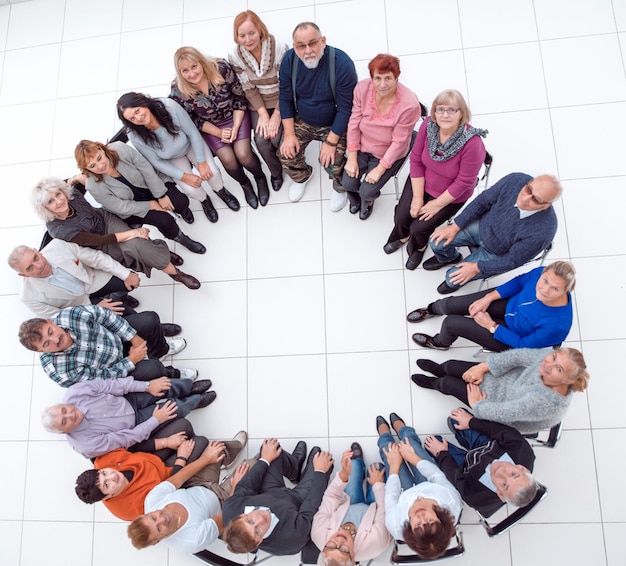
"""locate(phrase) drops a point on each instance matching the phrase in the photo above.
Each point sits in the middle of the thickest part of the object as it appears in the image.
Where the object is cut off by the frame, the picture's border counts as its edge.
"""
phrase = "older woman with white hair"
(70, 217)
(445, 160)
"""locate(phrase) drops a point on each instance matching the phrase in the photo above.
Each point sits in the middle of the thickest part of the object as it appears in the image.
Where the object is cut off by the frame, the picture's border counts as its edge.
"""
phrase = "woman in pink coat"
(350, 525)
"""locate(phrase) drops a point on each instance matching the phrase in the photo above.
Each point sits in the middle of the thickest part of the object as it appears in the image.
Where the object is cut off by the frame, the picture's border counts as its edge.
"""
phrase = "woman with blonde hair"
(445, 160)
(256, 61)
(211, 94)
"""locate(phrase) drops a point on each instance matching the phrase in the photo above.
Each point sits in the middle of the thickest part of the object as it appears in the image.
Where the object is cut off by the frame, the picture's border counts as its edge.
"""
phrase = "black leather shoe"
(228, 198)
(414, 260)
(433, 264)
(129, 301)
(209, 210)
(299, 453)
(206, 399)
(430, 367)
(200, 386)
(427, 341)
(419, 314)
(354, 208)
(170, 329)
(366, 209)
(357, 451)
(391, 247)
(187, 280)
(424, 381)
(445, 289)
(191, 245)
(187, 216)
(394, 418)
(277, 183)
(251, 197)
(176, 260)
(309, 461)
(263, 190)
(379, 422)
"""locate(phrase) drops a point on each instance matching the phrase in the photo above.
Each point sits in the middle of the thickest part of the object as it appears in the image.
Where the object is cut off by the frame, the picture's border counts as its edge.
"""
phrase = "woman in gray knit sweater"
(527, 389)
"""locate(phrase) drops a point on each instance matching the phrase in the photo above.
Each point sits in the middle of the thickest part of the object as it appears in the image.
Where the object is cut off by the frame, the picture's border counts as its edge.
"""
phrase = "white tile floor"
(300, 319)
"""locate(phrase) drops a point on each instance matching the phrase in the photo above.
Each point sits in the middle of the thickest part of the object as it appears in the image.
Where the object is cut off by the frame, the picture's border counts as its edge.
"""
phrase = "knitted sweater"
(457, 175)
(512, 239)
(259, 80)
(516, 395)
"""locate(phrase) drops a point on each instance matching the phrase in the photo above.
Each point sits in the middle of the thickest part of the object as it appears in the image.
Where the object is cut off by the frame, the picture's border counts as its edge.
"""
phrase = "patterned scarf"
(443, 151)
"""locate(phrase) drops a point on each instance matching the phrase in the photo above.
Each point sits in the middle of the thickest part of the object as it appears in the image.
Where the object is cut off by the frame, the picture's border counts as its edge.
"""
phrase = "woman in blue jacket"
(533, 310)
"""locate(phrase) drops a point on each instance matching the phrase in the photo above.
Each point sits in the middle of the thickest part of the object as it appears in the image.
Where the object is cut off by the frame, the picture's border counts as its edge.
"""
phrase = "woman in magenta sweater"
(384, 113)
(445, 161)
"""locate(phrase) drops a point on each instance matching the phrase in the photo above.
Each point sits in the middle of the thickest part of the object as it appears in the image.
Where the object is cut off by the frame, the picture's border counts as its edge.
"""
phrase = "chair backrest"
(120, 135)
(397, 558)
(513, 518)
(215, 559)
(554, 435)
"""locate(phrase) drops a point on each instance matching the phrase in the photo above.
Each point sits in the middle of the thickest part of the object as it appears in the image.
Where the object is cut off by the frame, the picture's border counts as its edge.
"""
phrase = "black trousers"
(164, 221)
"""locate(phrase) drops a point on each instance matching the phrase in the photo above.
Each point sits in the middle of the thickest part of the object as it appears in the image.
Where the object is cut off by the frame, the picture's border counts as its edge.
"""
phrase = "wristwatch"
(492, 329)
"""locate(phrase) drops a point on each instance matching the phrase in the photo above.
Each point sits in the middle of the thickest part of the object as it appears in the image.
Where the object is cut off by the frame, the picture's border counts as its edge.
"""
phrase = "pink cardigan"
(372, 537)
(457, 174)
(385, 136)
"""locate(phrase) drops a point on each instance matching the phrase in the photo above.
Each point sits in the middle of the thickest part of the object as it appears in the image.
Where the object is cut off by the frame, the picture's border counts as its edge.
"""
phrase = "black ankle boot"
(191, 245)
(209, 210)
(263, 190)
(248, 192)
(228, 198)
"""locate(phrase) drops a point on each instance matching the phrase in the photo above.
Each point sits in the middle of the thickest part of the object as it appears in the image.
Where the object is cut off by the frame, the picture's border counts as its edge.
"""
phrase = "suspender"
(331, 72)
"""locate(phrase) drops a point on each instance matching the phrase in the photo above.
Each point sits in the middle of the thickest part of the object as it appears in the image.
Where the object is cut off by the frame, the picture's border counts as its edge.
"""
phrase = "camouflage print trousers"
(299, 170)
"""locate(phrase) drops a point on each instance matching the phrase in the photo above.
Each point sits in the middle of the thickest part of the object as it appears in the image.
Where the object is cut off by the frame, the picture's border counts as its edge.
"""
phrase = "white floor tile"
(12, 541)
(81, 21)
(603, 392)
(52, 536)
(111, 544)
(614, 542)
(35, 23)
(592, 17)
(144, 14)
(612, 489)
(13, 483)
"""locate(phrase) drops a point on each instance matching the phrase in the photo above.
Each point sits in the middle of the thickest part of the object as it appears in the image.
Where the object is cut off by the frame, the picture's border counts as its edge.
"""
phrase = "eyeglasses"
(343, 548)
(449, 111)
(529, 191)
(311, 44)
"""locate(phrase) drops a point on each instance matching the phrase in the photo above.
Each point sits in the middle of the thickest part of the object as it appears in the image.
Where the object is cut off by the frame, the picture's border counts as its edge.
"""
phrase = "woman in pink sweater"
(445, 160)
(384, 113)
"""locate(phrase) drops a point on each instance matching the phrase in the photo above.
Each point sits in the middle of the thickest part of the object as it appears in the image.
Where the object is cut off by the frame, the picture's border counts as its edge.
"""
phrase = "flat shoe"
(187, 280)
(379, 422)
(170, 329)
(354, 208)
(209, 210)
(427, 341)
(394, 418)
(391, 247)
(187, 216)
(263, 190)
(357, 451)
(366, 212)
(200, 386)
(424, 381)
(250, 195)
(176, 260)
(277, 182)
(414, 260)
(430, 367)
(445, 289)
(419, 314)
(206, 399)
(229, 199)
(433, 264)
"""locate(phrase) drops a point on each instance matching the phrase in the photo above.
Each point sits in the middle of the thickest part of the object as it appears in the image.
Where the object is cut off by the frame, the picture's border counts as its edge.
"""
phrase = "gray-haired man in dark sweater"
(506, 226)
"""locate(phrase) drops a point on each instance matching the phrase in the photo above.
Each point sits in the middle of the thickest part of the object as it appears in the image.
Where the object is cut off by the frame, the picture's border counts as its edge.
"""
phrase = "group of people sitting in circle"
(125, 409)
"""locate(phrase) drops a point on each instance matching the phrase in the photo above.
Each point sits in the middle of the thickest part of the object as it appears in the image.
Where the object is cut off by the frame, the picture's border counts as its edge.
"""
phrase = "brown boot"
(187, 280)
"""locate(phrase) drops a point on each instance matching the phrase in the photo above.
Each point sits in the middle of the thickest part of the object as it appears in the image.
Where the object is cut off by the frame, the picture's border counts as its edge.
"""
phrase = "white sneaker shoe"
(338, 201)
(188, 373)
(176, 345)
(296, 190)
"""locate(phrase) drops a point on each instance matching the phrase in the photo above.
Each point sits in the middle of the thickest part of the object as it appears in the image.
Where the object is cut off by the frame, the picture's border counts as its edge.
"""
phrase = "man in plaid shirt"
(87, 342)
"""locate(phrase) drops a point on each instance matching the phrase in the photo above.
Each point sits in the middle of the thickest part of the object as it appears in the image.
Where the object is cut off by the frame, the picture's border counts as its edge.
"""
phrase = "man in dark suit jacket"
(263, 513)
(495, 469)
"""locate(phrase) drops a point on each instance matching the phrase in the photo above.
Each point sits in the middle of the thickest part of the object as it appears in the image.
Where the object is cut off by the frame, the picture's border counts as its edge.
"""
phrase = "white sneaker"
(188, 373)
(338, 201)
(296, 190)
(176, 345)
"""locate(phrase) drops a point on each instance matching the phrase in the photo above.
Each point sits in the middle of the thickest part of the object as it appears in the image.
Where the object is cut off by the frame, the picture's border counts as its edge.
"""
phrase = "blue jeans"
(468, 236)
(354, 489)
(409, 475)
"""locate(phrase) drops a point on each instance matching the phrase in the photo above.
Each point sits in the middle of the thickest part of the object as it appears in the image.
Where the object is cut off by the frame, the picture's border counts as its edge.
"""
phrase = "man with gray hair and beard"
(316, 84)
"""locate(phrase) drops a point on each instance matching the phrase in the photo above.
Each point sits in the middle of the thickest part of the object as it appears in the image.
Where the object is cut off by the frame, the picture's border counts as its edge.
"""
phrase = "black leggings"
(164, 221)
(458, 324)
(452, 383)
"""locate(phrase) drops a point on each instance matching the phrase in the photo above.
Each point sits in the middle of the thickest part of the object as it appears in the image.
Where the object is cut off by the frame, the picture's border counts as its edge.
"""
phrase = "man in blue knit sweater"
(506, 226)
(319, 109)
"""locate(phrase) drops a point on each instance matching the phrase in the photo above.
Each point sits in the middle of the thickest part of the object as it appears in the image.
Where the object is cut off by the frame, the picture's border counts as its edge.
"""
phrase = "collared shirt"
(64, 280)
(97, 350)
(109, 419)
